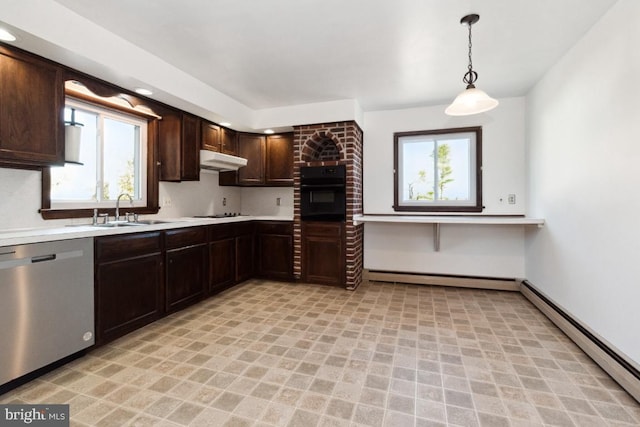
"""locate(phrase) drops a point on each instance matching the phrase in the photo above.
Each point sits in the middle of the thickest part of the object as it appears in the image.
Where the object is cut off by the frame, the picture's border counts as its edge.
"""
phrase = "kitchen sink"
(150, 222)
(133, 223)
(118, 224)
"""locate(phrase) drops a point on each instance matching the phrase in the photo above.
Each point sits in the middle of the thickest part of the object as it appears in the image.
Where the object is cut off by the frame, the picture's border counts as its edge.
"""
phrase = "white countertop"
(22, 236)
(460, 219)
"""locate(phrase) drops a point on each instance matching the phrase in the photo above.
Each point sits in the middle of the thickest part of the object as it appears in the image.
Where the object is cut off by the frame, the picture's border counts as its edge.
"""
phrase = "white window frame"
(473, 204)
(141, 158)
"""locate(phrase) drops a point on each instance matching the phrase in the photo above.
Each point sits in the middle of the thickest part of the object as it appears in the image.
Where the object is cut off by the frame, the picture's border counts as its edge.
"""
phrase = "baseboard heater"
(620, 369)
(492, 283)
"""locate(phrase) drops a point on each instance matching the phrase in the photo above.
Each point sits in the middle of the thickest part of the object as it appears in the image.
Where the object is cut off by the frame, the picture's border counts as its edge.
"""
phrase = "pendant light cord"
(470, 76)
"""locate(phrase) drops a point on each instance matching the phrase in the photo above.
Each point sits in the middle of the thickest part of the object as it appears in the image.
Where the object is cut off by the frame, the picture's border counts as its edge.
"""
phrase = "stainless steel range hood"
(211, 160)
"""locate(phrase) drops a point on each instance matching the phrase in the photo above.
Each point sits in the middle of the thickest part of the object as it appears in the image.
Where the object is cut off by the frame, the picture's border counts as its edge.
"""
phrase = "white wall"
(490, 251)
(204, 197)
(264, 201)
(502, 148)
(583, 155)
(20, 199)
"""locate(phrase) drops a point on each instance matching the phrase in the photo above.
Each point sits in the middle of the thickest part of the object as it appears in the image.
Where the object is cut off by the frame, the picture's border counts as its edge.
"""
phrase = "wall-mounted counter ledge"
(436, 221)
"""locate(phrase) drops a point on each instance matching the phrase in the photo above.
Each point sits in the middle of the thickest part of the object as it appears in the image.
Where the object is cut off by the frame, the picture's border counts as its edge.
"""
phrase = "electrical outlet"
(224, 201)
(512, 199)
(277, 201)
(166, 201)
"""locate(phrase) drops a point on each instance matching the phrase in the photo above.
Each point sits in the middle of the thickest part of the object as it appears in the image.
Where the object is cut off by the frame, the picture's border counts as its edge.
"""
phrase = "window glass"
(112, 160)
(438, 170)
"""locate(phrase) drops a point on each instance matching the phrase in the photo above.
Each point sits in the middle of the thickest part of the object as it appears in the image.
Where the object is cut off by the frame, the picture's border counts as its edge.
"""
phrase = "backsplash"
(264, 201)
(204, 197)
(20, 198)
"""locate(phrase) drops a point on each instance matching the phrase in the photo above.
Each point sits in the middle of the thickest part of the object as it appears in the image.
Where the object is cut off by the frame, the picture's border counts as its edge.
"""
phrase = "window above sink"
(112, 160)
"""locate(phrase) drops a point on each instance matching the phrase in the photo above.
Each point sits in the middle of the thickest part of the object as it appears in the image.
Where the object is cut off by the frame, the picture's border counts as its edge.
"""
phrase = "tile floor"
(279, 354)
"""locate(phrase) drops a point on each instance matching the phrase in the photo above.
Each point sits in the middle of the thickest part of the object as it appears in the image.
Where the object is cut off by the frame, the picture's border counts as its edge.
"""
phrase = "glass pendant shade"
(471, 101)
(72, 137)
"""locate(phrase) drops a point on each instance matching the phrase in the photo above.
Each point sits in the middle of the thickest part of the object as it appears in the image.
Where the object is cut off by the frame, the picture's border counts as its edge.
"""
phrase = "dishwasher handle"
(43, 258)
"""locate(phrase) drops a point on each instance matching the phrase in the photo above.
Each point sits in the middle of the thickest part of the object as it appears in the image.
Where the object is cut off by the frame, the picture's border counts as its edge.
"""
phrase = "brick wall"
(330, 144)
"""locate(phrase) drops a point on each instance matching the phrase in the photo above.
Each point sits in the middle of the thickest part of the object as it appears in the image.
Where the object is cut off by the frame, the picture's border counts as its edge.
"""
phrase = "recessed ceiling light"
(269, 131)
(143, 91)
(6, 36)
(225, 124)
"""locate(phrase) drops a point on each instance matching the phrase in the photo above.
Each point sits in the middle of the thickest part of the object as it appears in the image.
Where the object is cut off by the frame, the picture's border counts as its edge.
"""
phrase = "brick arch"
(322, 146)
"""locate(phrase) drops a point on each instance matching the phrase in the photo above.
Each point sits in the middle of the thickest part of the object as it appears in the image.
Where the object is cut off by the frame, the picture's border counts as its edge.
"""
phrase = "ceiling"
(384, 54)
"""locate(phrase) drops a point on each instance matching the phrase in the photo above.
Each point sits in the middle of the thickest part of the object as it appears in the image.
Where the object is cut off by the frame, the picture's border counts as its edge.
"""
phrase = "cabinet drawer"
(185, 237)
(328, 229)
(275, 227)
(221, 231)
(123, 246)
(244, 228)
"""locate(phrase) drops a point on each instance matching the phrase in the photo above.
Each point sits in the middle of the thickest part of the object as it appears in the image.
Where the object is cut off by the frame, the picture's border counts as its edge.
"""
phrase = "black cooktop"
(224, 215)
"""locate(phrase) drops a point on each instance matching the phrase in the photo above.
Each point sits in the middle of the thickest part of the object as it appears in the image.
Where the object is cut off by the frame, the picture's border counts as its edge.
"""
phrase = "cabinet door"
(222, 264)
(186, 276)
(210, 137)
(279, 160)
(179, 146)
(31, 110)
(251, 147)
(229, 141)
(128, 295)
(323, 258)
(244, 257)
(170, 146)
(190, 154)
(275, 256)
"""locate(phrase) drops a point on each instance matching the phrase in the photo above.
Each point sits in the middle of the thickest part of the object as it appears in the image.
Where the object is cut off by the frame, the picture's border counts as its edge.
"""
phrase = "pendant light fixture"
(72, 137)
(472, 100)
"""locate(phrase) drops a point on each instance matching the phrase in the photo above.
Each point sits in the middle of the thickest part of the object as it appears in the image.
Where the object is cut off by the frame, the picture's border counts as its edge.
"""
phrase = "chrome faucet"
(118, 204)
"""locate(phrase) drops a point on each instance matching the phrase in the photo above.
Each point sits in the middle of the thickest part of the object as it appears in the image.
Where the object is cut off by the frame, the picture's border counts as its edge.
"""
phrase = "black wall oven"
(323, 193)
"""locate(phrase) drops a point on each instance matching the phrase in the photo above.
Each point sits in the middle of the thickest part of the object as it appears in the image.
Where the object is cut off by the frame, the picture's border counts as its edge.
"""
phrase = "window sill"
(88, 213)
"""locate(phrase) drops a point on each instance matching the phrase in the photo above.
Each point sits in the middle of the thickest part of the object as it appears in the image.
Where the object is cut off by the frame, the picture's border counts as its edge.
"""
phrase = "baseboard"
(623, 371)
(497, 284)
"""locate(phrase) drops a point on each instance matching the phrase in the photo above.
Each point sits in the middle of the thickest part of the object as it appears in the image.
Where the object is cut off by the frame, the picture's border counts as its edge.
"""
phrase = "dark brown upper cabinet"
(218, 138)
(251, 147)
(179, 146)
(210, 136)
(31, 110)
(229, 141)
(269, 161)
(279, 160)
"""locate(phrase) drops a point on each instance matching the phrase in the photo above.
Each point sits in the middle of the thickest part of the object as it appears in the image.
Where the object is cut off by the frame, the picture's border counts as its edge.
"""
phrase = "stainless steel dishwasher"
(46, 304)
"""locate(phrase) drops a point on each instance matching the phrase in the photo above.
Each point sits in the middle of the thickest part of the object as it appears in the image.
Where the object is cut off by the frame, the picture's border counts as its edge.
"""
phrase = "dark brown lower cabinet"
(141, 277)
(274, 242)
(222, 257)
(245, 253)
(129, 283)
(187, 272)
(323, 256)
